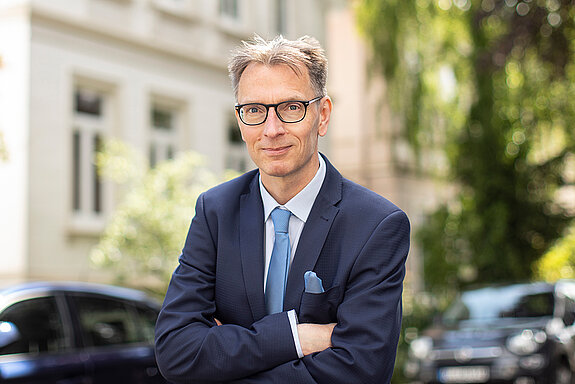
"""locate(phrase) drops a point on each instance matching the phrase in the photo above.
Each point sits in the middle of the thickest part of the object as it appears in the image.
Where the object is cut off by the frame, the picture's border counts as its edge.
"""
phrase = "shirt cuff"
(293, 323)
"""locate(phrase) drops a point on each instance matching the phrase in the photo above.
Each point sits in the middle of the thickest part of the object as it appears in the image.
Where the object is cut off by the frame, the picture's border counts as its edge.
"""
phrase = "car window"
(535, 305)
(568, 311)
(107, 321)
(39, 324)
(146, 322)
(496, 303)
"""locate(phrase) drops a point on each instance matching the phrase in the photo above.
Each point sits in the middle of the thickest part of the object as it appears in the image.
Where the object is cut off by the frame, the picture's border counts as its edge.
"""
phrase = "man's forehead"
(283, 81)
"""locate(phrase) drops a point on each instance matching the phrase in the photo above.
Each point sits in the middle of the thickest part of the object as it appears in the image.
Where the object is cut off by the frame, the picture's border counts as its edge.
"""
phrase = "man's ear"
(324, 115)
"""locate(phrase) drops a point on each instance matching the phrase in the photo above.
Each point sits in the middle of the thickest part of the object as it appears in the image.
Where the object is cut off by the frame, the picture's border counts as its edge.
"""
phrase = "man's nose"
(273, 126)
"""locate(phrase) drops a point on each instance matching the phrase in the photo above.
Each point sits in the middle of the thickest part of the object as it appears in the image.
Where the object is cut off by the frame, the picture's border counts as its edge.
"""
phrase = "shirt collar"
(300, 205)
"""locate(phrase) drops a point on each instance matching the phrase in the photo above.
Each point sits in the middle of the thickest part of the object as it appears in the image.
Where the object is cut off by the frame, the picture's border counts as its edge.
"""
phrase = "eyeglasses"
(287, 111)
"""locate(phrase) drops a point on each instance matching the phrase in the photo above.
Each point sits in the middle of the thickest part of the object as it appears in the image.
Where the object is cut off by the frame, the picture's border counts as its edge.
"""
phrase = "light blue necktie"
(278, 268)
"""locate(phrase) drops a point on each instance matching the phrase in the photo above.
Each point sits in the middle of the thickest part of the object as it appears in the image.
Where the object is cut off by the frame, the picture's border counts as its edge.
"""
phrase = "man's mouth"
(274, 151)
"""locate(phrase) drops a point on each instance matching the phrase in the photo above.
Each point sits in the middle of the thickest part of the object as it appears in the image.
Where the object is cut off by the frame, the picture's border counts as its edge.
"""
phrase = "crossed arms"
(360, 347)
(312, 337)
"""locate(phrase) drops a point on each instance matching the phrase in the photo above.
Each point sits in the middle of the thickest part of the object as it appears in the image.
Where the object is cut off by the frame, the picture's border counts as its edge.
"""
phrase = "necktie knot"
(280, 218)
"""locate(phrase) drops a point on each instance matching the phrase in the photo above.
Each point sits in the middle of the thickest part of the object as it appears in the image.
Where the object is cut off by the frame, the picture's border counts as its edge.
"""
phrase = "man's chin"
(278, 170)
(276, 173)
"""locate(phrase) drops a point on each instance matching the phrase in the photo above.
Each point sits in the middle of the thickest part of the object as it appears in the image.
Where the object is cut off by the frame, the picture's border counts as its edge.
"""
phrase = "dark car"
(77, 333)
(521, 334)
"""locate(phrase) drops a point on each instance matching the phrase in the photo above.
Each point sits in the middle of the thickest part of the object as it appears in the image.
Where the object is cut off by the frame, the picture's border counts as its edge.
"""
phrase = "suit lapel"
(313, 235)
(251, 248)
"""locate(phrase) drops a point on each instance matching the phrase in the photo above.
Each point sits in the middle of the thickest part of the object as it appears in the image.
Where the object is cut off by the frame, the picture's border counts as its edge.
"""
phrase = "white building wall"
(137, 52)
(14, 174)
(132, 81)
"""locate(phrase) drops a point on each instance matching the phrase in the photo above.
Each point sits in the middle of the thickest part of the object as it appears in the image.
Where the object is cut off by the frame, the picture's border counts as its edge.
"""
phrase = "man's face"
(283, 150)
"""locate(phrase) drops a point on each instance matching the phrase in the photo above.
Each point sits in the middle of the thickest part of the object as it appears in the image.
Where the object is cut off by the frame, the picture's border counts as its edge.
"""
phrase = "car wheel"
(562, 374)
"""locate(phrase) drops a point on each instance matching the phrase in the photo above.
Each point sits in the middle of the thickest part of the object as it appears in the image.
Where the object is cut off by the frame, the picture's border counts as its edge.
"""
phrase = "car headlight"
(421, 347)
(526, 342)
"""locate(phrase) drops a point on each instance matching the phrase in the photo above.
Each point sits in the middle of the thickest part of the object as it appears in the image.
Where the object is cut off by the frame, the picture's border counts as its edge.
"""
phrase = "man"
(290, 273)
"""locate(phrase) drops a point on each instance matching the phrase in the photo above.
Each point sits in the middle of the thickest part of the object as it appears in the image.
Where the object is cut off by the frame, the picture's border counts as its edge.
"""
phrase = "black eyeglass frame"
(267, 107)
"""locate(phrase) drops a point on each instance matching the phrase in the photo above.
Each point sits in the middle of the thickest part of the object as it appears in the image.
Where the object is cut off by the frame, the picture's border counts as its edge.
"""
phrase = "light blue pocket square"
(312, 283)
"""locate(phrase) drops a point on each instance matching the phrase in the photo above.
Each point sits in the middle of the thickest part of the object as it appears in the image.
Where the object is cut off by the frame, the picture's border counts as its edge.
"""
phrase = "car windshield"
(488, 304)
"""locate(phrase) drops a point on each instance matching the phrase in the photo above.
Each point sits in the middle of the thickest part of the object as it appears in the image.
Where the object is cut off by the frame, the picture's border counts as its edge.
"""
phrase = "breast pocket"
(320, 308)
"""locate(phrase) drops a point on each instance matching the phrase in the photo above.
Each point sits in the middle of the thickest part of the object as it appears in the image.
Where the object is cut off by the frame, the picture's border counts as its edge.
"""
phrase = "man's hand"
(314, 337)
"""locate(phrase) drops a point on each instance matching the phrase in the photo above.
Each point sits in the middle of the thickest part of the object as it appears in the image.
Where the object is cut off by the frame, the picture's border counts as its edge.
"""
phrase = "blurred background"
(116, 114)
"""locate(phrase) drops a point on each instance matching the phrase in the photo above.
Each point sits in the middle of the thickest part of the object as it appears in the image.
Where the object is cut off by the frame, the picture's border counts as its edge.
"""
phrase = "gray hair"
(304, 51)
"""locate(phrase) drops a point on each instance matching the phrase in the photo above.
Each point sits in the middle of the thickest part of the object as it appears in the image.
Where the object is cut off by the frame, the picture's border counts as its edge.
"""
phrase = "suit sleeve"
(190, 348)
(368, 320)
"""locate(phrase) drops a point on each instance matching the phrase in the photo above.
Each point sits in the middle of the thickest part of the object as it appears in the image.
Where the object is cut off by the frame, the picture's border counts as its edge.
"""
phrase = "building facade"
(152, 73)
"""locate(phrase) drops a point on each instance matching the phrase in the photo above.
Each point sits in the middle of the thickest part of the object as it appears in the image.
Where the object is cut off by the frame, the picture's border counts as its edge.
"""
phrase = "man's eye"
(253, 109)
(291, 107)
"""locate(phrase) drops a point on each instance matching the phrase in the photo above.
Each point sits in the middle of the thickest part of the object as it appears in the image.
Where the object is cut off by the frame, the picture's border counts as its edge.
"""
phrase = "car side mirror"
(9, 333)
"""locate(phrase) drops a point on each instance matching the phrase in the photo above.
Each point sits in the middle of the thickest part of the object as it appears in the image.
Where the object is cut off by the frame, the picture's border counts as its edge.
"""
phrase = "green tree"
(506, 124)
(146, 232)
(559, 261)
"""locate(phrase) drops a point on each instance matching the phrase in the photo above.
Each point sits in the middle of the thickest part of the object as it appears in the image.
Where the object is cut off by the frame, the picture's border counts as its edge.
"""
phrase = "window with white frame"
(89, 126)
(229, 9)
(163, 134)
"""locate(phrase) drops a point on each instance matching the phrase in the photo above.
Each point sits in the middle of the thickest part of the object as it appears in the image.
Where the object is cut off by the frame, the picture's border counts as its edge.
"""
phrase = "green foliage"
(559, 261)
(422, 51)
(146, 232)
(506, 123)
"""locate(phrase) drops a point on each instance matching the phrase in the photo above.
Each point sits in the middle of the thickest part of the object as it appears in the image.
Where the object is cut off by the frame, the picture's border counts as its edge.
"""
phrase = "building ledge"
(119, 35)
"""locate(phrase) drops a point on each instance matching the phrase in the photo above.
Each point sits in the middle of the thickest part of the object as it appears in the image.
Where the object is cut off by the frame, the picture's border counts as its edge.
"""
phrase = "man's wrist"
(292, 316)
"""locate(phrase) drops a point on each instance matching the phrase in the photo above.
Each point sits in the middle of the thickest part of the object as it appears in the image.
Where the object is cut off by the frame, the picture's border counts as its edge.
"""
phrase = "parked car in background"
(521, 334)
(77, 333)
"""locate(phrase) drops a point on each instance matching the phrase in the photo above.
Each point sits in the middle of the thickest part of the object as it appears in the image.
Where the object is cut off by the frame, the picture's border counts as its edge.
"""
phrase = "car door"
(42, 352)
(118, 338)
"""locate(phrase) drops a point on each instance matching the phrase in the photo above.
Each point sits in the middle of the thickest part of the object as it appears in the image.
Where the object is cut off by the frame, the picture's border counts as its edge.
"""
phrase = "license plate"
(475, 374)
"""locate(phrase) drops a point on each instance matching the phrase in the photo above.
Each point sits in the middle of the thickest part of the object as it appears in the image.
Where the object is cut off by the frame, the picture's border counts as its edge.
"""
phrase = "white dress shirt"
(300, 206)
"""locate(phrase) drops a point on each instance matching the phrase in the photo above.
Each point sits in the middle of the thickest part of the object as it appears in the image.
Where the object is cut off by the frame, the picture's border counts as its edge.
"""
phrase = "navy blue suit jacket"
(357, 243)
